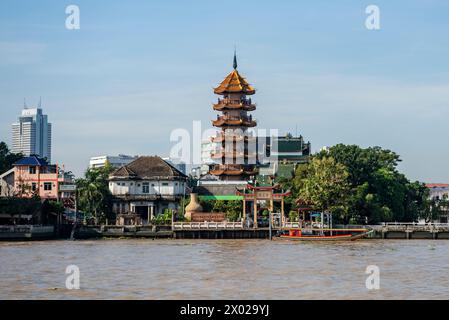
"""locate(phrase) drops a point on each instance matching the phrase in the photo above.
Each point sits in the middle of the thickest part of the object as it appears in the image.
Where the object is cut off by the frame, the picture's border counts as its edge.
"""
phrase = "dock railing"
(207, 225)
(415, 226)
(291, 225)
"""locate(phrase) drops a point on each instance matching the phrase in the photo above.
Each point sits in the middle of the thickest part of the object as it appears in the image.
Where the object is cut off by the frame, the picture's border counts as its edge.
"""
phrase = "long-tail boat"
(310, 229)
(323, 234)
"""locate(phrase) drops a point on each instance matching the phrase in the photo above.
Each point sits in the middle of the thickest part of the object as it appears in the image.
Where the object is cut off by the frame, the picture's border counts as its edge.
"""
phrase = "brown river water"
(224, 269)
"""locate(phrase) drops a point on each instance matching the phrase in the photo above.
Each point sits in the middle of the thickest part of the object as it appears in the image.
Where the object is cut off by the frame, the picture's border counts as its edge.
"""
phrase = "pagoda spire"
(235, 59)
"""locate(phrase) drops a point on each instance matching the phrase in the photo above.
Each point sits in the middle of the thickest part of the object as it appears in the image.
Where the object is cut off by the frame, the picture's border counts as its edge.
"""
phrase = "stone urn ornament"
(193, 206)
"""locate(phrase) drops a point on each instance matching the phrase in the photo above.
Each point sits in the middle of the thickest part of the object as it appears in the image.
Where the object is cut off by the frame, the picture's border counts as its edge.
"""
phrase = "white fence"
(415, 224)
(206, 225)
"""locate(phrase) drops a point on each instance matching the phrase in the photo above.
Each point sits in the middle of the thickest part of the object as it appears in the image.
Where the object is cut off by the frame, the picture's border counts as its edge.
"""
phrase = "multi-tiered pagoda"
(236, 159)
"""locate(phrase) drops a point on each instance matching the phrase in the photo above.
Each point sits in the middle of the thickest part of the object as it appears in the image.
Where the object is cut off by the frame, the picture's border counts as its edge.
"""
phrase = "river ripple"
(224, 269)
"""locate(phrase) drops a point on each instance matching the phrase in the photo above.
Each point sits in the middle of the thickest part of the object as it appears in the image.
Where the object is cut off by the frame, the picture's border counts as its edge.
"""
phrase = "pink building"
(34, 176)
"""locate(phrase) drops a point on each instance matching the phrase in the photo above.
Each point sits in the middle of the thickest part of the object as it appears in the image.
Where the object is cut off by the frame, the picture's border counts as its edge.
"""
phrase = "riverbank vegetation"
(94, 197)
(360, 185)
(7, 158)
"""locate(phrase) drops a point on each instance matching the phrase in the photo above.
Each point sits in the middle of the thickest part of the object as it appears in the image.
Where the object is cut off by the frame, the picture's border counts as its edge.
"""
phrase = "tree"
(378, 191)
(324, 184)
(7, 158)
(93, 192)
(231, 208)
(438, 207)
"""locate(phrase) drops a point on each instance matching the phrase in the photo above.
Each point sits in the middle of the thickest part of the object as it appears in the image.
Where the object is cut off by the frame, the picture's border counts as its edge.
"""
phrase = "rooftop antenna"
(25, 103)
(296, 130)
(40, 102)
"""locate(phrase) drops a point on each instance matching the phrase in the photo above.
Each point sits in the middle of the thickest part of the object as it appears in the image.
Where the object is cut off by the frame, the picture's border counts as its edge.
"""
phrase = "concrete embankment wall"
(150, 231)
(222, 234)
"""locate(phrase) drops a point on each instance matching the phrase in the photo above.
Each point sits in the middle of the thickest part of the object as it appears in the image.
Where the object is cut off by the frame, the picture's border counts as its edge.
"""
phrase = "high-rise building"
(31, 135)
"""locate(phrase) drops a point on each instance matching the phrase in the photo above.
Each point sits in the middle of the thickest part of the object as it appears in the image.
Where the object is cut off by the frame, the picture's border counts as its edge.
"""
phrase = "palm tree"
(93, 191)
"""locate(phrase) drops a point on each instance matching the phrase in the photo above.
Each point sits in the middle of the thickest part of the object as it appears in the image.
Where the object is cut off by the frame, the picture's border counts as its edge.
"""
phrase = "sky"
(137, 70)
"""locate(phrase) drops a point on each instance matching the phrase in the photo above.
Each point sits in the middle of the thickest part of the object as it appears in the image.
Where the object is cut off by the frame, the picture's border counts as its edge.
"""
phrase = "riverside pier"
(236, 230)
(213, 230)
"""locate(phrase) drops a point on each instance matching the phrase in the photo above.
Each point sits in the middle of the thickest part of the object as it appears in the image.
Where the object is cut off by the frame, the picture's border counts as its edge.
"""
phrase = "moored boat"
(304, 234)
(317, 226)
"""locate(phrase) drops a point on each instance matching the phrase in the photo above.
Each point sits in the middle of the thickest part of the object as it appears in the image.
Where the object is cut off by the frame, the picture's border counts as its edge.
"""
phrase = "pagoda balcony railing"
(235, 118)
(227, 167)
(233, 167)
(232, 137)
(245, 102)
(233, 154)
(234, 104)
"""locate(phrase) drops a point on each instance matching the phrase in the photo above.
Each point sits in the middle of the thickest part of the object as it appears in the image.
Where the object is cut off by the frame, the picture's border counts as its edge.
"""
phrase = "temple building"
(235, 160)
(236, 156)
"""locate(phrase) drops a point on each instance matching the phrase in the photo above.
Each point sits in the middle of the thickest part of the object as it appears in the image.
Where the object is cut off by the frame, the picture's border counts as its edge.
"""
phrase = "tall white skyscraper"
(32, 134)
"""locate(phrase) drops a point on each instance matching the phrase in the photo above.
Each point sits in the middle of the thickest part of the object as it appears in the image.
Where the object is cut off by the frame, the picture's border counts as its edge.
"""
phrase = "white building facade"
(147, 187)
(31, 134)
(114, 161)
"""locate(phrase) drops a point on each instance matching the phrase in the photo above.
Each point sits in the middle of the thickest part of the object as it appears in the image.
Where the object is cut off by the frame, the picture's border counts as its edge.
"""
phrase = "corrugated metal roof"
(32, 160)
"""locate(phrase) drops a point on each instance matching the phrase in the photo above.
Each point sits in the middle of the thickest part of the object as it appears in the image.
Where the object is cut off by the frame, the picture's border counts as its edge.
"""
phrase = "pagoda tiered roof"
(231, 170)
(223, 121)
(229, 104)
(234, 83)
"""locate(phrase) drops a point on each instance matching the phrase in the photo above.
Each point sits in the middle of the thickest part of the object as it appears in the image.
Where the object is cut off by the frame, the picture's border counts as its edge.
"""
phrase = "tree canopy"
(7, 158)
(366, 183)
(93, 192)
(323, 183)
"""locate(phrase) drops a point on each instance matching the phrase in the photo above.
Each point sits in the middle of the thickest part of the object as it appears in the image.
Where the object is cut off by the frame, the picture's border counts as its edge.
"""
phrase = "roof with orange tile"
(234, 83)
(437, 185)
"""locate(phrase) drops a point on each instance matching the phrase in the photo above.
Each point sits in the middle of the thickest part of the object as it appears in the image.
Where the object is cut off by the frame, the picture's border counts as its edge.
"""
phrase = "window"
(145, 187)
(32, 170)
(33, 186)
(47, 186)
(165, 184)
